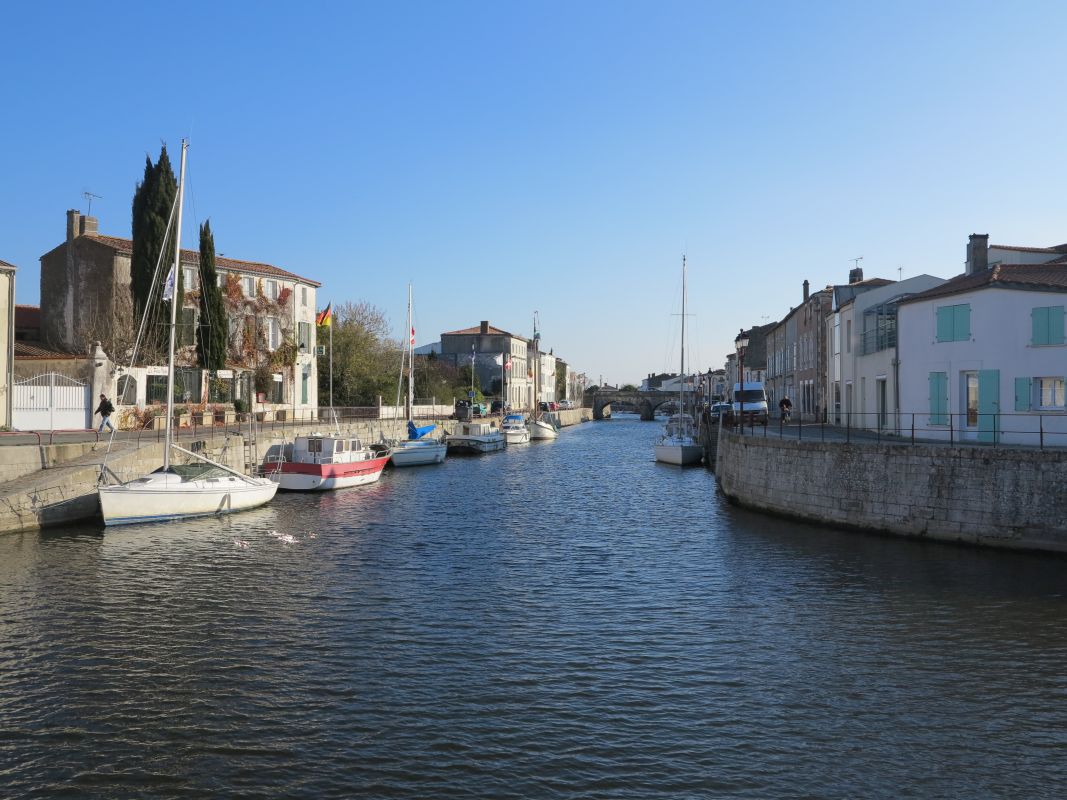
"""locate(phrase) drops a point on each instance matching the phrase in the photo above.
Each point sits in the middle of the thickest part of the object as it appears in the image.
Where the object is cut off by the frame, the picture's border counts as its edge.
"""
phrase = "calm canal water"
(566, 619)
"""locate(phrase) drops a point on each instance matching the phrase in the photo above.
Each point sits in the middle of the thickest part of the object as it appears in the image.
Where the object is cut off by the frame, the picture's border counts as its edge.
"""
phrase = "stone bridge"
(645, 403)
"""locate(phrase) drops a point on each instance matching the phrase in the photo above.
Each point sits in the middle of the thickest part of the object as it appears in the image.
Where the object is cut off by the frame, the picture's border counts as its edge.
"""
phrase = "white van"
(755, 401)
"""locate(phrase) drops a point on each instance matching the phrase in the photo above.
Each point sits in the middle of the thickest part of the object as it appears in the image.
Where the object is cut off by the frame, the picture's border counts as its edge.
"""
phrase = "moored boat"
(679, 444)
(515, 429)
(321, 462)
(418, 448)
(475, 437)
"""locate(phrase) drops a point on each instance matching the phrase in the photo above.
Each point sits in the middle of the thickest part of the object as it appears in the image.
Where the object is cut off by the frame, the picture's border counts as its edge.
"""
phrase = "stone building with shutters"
(270, 358)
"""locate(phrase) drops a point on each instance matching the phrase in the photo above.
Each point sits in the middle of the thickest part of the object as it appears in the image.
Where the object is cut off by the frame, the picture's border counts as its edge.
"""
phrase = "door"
(51, 402)
(880, 397)
(970, 400)
(989, 405)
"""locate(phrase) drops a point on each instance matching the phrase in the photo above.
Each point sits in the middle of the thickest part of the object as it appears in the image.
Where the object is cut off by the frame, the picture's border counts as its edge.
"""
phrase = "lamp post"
(741, 343)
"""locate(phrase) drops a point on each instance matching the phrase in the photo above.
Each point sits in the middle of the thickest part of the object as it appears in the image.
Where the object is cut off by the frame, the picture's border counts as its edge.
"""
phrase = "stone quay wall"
(1003, 497)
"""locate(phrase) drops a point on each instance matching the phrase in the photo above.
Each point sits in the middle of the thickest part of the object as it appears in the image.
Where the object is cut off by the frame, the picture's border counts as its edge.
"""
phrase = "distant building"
(655, 382)
(482, 345)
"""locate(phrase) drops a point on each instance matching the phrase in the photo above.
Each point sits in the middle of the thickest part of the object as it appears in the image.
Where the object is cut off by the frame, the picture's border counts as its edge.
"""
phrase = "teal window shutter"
(961, 322)
(944, 324)
(1055, 325)
(939, 398)
(1022, 393)
(1039, 326)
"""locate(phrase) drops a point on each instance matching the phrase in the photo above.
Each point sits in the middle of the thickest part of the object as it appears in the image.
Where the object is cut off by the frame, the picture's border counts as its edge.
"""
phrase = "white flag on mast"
(168, 287)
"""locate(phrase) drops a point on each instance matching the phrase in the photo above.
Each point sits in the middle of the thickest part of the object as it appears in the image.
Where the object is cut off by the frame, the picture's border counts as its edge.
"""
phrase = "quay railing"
(1040, 430)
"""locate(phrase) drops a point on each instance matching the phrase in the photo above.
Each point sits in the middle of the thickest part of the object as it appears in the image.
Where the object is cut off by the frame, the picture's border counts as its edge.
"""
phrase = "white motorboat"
(679, 444)
(475, 437)
(515, 429)
(318, 462)
(178, 491)
(419, 448)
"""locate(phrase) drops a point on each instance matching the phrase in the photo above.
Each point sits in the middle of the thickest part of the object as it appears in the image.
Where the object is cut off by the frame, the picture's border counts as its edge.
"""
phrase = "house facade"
(840, 342)
(869, 359)
(270, 315)
(983, 356)
(482, 345)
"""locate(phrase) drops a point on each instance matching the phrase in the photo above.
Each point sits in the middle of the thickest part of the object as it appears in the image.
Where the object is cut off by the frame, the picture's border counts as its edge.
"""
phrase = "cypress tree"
(152, 202)
(211, 336)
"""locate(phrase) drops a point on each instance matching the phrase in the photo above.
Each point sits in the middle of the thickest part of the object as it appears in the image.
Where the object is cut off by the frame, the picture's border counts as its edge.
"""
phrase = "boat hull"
(299, 477)
(475, 445)
(413, 454)
(681, 454)
(539, 429)
(169, 498)
(517, 436)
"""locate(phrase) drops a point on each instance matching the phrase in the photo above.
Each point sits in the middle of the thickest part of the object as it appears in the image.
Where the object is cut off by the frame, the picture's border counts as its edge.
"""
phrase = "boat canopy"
(516, 418)
(418, 433)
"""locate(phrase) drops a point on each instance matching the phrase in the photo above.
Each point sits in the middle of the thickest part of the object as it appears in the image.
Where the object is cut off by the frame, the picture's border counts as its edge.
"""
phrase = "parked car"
(462, 410)
(480, 409)
(566, 404)
(720, 410)
(543, 406)
(499, 406)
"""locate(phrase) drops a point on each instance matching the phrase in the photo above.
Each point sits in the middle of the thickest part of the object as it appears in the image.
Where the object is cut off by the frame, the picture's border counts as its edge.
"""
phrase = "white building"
(866, 363)
(983, 356)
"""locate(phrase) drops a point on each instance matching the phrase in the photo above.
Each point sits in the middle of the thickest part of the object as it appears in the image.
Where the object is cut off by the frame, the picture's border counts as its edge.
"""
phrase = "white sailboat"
(541, 427)
(679, 444)
(177, 491)
(419, 448)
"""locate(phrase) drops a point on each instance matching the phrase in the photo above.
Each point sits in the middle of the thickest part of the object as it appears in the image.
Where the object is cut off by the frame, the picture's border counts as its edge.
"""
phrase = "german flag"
(325, 316)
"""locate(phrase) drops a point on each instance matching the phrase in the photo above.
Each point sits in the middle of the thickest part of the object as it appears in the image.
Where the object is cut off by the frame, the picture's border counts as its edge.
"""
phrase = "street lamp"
(741, 343)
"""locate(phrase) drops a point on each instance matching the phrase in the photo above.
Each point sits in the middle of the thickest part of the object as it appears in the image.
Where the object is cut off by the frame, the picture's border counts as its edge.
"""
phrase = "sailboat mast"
(411, 361)
(681, 383)
(174, 301)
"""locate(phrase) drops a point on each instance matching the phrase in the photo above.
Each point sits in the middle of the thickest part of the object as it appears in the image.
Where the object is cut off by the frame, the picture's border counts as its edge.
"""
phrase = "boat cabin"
(327, 450)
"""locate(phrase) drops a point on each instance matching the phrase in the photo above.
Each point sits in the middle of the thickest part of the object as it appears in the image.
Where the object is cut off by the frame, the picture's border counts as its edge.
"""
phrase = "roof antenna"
(89, 197)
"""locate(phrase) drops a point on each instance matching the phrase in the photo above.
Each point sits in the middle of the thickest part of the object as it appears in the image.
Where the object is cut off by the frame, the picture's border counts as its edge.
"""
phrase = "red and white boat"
(317, 462)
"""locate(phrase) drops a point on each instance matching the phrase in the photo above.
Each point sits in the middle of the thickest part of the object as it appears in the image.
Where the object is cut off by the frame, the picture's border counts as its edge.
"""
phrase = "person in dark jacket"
(105, 410)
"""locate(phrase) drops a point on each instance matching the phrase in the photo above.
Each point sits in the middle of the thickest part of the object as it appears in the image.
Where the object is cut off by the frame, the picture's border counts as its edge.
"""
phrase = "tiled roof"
(27, 316)
(193, 257)
(477, 329)
(1027, 277)
(1059, 248)
(27, 350)
(5, 265)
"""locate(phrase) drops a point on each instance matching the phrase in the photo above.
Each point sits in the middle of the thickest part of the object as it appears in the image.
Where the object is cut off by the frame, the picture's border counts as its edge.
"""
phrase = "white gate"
(51, 402)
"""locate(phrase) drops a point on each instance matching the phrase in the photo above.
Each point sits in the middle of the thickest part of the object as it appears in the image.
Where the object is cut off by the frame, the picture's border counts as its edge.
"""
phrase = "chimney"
(485, 327)
(855, 275)
(805, 291)
(977, 253)
(89, 226)
(73, 224)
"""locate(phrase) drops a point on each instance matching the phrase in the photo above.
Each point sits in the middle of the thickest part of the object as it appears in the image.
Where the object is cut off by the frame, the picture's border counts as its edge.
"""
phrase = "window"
(1049, 394)
(248, 286)
(954, 323)
(187, 328)
(304, 336)
(1046, 325)
(220, 280)
(276, 389)
(189, 278)
(272, 290)
(848, 336)
(274, 334)
(938, 398)
(304, 296)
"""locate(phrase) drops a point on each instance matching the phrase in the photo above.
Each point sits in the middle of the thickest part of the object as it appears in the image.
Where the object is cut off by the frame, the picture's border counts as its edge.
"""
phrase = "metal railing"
(1040, 430)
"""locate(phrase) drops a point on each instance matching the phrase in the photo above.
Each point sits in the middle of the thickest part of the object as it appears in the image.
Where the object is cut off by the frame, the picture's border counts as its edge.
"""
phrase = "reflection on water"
(564, 618)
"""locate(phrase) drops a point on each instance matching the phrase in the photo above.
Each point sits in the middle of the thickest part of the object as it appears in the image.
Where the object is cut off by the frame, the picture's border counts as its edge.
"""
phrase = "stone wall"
(1001, 497)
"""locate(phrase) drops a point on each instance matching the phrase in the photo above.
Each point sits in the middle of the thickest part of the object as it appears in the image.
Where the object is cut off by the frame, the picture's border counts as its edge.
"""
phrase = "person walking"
(105, 410)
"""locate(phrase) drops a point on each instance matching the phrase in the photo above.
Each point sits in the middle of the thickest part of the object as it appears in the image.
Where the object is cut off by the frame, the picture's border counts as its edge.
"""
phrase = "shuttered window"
(1046, 325)
(954, 323)
(939, 398)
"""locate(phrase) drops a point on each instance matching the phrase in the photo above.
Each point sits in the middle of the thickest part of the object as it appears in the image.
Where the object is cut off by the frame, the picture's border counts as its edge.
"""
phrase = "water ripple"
(567, 619)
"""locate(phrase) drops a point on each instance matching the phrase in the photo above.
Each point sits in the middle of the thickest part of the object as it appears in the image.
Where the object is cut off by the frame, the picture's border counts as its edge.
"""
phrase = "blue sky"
(558, 157)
